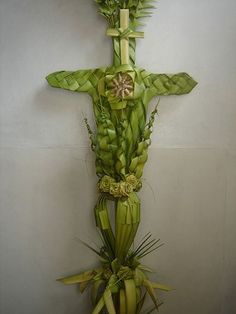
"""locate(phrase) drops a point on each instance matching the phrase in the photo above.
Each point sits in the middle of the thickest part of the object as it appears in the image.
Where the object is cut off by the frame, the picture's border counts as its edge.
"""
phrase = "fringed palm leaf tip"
(121, 94)
(138, 9)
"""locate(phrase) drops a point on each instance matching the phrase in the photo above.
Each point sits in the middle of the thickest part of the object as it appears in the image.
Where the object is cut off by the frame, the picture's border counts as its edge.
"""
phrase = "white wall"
(47, 181)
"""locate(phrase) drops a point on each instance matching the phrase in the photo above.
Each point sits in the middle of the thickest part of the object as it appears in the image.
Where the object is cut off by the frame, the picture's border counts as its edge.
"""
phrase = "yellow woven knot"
(124, 33)
(109, 185)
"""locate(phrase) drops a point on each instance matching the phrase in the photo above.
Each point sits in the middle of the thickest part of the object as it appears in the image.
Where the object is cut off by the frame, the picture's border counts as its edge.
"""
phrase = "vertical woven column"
(116, 52)
(124, 42)
(132, 48)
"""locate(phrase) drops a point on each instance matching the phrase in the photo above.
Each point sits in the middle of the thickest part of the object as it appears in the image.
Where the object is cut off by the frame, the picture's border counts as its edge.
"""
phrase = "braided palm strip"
(136, 118)
(121, 151)
(140, 156)
(106, 145)
(77, 81)
(116, 51)
(132, 48)
(167, 84)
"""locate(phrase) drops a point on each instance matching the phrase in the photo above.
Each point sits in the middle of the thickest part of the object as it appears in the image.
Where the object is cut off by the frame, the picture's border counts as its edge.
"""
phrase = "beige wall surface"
(47, 182)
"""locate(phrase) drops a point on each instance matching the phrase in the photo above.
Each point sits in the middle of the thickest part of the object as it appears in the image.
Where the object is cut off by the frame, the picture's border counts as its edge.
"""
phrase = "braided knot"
(124, 33)
(109, 185)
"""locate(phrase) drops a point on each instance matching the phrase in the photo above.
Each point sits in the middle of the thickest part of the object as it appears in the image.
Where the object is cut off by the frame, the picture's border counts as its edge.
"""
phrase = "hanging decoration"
(120, 94)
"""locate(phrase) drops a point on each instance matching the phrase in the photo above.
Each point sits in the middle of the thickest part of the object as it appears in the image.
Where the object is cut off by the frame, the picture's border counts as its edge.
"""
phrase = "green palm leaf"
(138, 9)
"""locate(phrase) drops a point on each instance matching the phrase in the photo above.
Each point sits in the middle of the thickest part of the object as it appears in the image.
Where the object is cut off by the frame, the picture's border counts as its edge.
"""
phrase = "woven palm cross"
(152, 84)
(121, 90)
(121, 94)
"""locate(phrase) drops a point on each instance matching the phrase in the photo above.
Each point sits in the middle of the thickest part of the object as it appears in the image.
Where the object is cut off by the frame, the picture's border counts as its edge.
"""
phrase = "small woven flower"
(122, 85)
(115, 190)
(135, 182)
(128, 188)
(105, 183)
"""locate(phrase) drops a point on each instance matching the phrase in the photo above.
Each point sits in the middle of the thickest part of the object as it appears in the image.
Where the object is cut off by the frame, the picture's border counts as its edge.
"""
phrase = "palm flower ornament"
(120, 94)
(122, 85)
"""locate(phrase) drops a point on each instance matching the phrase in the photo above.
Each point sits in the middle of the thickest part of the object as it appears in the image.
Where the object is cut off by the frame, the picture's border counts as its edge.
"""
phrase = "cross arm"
(78, 81)
(169, 84)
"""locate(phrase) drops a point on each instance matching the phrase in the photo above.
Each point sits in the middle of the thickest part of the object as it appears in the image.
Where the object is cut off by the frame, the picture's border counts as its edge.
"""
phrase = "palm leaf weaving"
(120, 95)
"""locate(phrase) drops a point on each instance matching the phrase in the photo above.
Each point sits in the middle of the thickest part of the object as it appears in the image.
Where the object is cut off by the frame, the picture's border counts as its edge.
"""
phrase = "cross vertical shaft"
(124, 42)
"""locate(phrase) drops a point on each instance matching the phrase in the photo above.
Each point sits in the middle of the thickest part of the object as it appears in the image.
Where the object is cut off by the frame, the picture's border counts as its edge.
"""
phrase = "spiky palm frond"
(138, 9)
(147, 246)
(110, 10)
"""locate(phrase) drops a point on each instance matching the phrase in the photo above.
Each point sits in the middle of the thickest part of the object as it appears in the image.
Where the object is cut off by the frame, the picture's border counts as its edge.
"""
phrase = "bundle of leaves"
(117, 287)
(138, 9)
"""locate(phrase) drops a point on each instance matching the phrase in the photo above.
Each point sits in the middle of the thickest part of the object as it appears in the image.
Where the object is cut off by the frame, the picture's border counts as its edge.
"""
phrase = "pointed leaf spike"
(109, 301)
